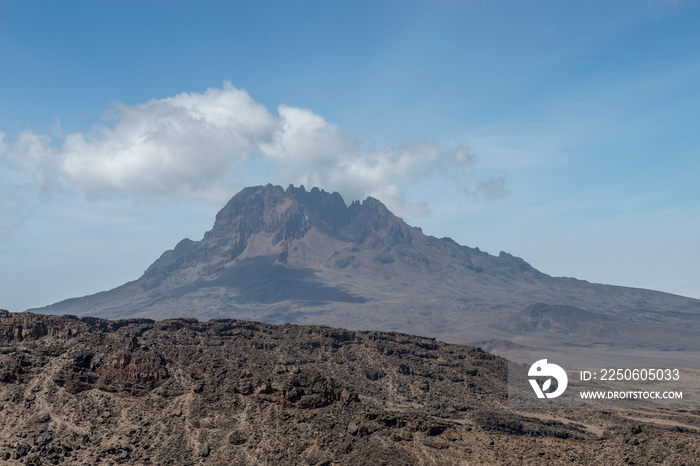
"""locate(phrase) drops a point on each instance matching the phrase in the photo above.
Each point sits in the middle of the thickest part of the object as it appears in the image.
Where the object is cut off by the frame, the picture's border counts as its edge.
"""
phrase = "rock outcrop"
(228, 392)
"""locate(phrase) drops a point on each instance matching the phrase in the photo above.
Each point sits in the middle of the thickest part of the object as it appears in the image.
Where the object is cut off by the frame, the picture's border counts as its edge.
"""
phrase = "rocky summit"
(89, 391)
(306, 257)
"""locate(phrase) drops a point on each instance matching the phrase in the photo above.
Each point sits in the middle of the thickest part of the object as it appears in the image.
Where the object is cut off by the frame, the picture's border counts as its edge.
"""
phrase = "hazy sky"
(566, 133)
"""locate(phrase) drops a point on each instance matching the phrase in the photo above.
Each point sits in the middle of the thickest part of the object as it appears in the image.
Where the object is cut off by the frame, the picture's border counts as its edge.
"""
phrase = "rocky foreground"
(183, 392)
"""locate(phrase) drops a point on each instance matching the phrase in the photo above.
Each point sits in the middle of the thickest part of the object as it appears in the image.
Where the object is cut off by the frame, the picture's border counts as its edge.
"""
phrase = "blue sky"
(566, 133)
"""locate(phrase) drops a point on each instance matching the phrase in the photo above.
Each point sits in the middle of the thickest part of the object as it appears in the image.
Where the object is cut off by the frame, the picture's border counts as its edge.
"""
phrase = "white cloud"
(313, 152)
(178, 145)
(189, 143)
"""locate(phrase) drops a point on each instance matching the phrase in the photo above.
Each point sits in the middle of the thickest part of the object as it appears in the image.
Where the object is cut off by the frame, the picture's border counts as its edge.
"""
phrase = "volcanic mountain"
(306, 257)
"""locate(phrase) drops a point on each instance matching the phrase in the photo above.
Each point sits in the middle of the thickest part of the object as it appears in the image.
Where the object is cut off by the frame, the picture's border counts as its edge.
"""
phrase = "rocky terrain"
(305, 257)
(231, 392)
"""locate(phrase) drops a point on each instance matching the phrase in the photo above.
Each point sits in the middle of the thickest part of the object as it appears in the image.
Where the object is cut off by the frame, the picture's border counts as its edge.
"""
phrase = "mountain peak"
(294, 227)
(292, 212)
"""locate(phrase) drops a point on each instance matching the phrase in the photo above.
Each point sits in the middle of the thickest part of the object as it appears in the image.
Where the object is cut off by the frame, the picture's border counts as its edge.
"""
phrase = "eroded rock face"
(92, 391)
(133, 370)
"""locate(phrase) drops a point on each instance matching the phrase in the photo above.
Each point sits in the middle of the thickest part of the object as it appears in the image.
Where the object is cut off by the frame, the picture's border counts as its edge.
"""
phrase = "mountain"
(305, 257)
(228, 392)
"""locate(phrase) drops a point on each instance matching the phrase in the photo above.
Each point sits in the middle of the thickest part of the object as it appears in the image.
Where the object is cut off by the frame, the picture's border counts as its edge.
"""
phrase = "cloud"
(188, 144)
(177, 145)
(493, 189)
(314, 152)
(489, 190)
(11, 212)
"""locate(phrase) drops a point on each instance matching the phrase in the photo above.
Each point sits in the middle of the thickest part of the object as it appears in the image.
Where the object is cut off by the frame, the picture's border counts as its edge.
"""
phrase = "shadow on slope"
(259, 280)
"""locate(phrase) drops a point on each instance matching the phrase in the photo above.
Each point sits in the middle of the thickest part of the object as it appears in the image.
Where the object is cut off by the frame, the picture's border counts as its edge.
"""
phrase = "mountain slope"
(302, 256)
